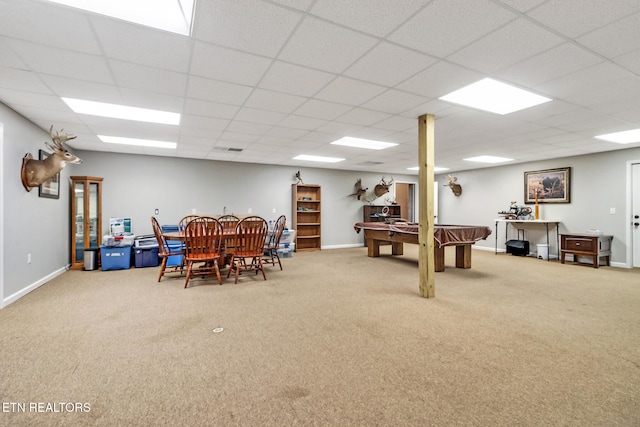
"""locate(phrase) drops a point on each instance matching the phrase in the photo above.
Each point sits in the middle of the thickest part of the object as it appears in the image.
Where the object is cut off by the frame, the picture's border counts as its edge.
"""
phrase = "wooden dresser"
(587, 246)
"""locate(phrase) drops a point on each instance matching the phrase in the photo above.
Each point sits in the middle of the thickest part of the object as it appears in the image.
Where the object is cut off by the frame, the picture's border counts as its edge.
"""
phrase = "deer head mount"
(359, 190)
(35, 172)
(383, 187)
(455, 187)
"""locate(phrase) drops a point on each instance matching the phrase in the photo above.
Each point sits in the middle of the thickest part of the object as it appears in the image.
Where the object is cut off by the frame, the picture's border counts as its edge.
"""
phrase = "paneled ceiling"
(278, 78)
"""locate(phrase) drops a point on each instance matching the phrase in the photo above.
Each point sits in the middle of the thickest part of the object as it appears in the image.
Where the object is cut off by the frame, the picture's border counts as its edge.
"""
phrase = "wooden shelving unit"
(306, 216)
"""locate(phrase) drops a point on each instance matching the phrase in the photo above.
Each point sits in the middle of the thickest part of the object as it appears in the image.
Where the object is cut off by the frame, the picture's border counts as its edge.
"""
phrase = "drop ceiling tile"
(225, 23)
(362, 117)
(287, 132)
(248, 127)
(523, 5)
(324, 46)
(15, 98)
(153, 48)
(48, 24)
(298, 4)
(574, 18)
(615, 39)
(72, 88)
(387, 64)
(228, 138)
(216, 91)
(200, 133)
(151, 100)
(440, 79)
(349, 91)
(295, 79)
(445, 26)
(514, 42)
(194, 142)
(258, 116)
(303, 123)
(189, 120)
(318, 109)
(631, 61)
(145, 78)
(554, 63)
(584, 79)
(218, 63)
(396, 123)
(64, 63)
(274, 101)
(209, 109)
(13, 78)
(381, 18)
(394, 102)
(9, 58)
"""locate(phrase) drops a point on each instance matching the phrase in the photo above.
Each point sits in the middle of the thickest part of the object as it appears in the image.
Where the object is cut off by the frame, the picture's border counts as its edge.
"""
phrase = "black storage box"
(146, 257)
(518, 247)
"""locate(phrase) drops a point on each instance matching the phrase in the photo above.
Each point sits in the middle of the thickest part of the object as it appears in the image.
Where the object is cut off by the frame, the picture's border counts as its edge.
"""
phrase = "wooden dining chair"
(166, 250)
(182, 224)
(273, 242)
(229, 223)
(203, 245)
(251, 233)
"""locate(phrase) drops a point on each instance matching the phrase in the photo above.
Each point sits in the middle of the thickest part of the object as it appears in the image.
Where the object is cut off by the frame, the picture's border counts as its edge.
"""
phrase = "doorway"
(634, 214)
(407, 199)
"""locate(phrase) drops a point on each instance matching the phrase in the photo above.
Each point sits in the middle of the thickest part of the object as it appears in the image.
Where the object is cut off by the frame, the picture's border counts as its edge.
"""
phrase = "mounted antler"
(456, 188)
(359, 190)
(383, 187)
(35, 172)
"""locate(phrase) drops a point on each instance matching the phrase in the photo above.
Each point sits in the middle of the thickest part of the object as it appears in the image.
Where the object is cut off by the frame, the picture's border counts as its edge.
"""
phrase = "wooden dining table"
(226, 236)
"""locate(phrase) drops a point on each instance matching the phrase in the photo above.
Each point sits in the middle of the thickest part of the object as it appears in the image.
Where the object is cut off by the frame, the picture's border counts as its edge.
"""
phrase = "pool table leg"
(463, 256)
(438, 252)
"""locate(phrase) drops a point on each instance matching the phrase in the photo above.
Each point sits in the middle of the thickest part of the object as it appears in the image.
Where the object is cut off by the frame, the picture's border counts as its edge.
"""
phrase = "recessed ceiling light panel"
(322, 159)
(488, 159)
(363, 143)
(138, 142)
(493, 96)
(625, 137)
(123, 112)
(175, 16)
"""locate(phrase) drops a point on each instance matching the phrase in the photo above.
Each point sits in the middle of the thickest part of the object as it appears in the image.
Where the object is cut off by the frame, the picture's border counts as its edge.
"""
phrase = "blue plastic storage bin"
(115, 258)
(174, 245)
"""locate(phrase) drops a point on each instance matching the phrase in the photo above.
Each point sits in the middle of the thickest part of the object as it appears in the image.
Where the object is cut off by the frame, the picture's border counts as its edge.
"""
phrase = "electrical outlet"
(250, 210)
(274, 210)
(612, 211)
(28, 258)
(193, 211)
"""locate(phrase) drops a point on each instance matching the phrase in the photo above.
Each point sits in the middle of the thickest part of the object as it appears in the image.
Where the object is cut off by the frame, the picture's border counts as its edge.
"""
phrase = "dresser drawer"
(581, 244)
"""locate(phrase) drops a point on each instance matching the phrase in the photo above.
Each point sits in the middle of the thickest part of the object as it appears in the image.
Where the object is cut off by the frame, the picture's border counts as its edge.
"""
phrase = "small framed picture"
(51, 187)
(548, 186)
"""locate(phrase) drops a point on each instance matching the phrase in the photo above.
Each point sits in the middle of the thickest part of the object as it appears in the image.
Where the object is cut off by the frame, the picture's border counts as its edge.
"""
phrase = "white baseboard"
(12, 298)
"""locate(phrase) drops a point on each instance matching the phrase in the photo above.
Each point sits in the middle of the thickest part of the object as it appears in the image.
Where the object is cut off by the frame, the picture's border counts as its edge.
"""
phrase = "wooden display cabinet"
(86, 217)
(306, 216)
(578, 245)
(377, 213)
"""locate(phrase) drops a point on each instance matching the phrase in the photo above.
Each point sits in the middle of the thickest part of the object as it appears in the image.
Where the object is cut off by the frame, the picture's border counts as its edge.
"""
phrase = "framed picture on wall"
(548, 186)
(51, 187)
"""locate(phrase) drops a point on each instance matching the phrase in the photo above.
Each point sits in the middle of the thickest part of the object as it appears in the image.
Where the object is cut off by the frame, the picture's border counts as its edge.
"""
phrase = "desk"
(460, 236)
(530, 222)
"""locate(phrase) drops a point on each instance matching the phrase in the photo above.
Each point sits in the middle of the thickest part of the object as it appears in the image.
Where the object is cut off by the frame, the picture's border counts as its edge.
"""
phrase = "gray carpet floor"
(335, 339)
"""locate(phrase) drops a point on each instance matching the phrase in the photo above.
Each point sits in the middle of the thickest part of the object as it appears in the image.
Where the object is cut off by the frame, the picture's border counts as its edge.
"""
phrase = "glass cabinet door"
(86, 217)
(94, 229)
(79, 221)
